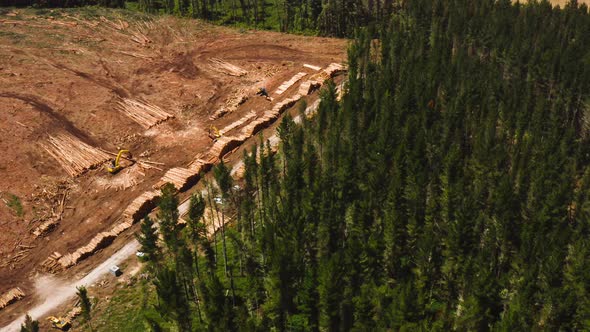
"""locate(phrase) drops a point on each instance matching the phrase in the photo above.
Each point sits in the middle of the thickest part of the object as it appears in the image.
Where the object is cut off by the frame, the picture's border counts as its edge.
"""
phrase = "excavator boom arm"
(119, 156)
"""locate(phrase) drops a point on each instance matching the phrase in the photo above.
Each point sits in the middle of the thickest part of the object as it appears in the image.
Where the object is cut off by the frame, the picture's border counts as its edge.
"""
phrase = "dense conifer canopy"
(448, 190)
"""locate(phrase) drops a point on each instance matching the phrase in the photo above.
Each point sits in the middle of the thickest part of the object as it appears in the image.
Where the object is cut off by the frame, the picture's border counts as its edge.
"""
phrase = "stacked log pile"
(333, 69)
(308, 87)
(73, 155)
(121, 227)
(312, 67)
(224, 145)
(238, 123)
(51, 264)
(180, 177)
(141, 205)
(200, 165)
(286, 85)
(100, 241)
(144, 113)
(321, 77)
(11, 296)
(225, 67)
(45, 227)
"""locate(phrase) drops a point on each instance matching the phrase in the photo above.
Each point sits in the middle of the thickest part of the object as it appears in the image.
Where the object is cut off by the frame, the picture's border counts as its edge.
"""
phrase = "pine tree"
(173, 303)
(148, 239)
(168, 217)
(85, 305)
(29, 325)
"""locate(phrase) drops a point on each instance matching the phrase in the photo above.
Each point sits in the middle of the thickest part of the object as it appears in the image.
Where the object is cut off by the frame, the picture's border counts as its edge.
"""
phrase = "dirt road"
(56, 291)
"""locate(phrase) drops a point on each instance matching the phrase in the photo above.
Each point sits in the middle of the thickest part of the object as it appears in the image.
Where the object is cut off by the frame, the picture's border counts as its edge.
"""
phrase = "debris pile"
(72, 154)
(121, 25)
(232, 103)
(140, 38)
(11, 261)
(50, 205)
(125, 179)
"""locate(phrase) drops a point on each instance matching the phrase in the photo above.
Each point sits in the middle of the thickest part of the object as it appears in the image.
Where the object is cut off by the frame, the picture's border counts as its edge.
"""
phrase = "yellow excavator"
(214, 133)
(59, 323)
(115, 165)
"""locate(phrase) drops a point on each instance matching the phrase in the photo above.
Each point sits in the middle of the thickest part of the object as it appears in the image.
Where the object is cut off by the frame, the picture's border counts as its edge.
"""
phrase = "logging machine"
(214, 133)
(115, 165)
(59, 323)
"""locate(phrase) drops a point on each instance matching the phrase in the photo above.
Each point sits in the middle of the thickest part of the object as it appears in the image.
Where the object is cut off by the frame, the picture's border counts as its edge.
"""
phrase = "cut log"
(11, 296)
(74, 156)
(225, 67)
(286, 85)
(312, 67)
(142, 112)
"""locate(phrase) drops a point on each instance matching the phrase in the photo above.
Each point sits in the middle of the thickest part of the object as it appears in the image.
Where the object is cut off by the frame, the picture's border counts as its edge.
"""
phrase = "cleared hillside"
(77, 85)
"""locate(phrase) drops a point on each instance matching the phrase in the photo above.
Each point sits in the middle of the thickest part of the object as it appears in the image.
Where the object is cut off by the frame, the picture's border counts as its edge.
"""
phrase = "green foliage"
(85, 304)
(148, 238)
(15, 205)
(173, 304)
(223, 178)
(29, 325)
(64, 3)
(447, 190)
(168, 217)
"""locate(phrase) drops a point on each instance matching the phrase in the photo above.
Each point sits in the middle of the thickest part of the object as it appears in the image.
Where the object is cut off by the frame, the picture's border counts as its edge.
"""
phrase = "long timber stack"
(45, 227)
(308, 87)
(225, 67)
(11, 296)
(312, 67)
(73, 155)
(142, 205)
(251, 115)
(144, 113)
(286, 85)
(182, 177)
(333, 69)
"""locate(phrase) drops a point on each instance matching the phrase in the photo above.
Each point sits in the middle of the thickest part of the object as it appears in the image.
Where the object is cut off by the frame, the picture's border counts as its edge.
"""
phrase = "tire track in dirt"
(119, 91)
(57, 119)
(257, 51)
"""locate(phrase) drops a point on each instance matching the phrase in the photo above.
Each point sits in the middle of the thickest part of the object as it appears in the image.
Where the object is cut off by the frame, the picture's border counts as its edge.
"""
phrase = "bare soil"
(62, 71)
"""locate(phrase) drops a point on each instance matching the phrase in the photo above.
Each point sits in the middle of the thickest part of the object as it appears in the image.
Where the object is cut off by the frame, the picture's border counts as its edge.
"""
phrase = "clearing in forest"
(78, 85)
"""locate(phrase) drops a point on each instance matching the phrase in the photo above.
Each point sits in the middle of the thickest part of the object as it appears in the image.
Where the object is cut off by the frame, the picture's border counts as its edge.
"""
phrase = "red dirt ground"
(65, 72)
